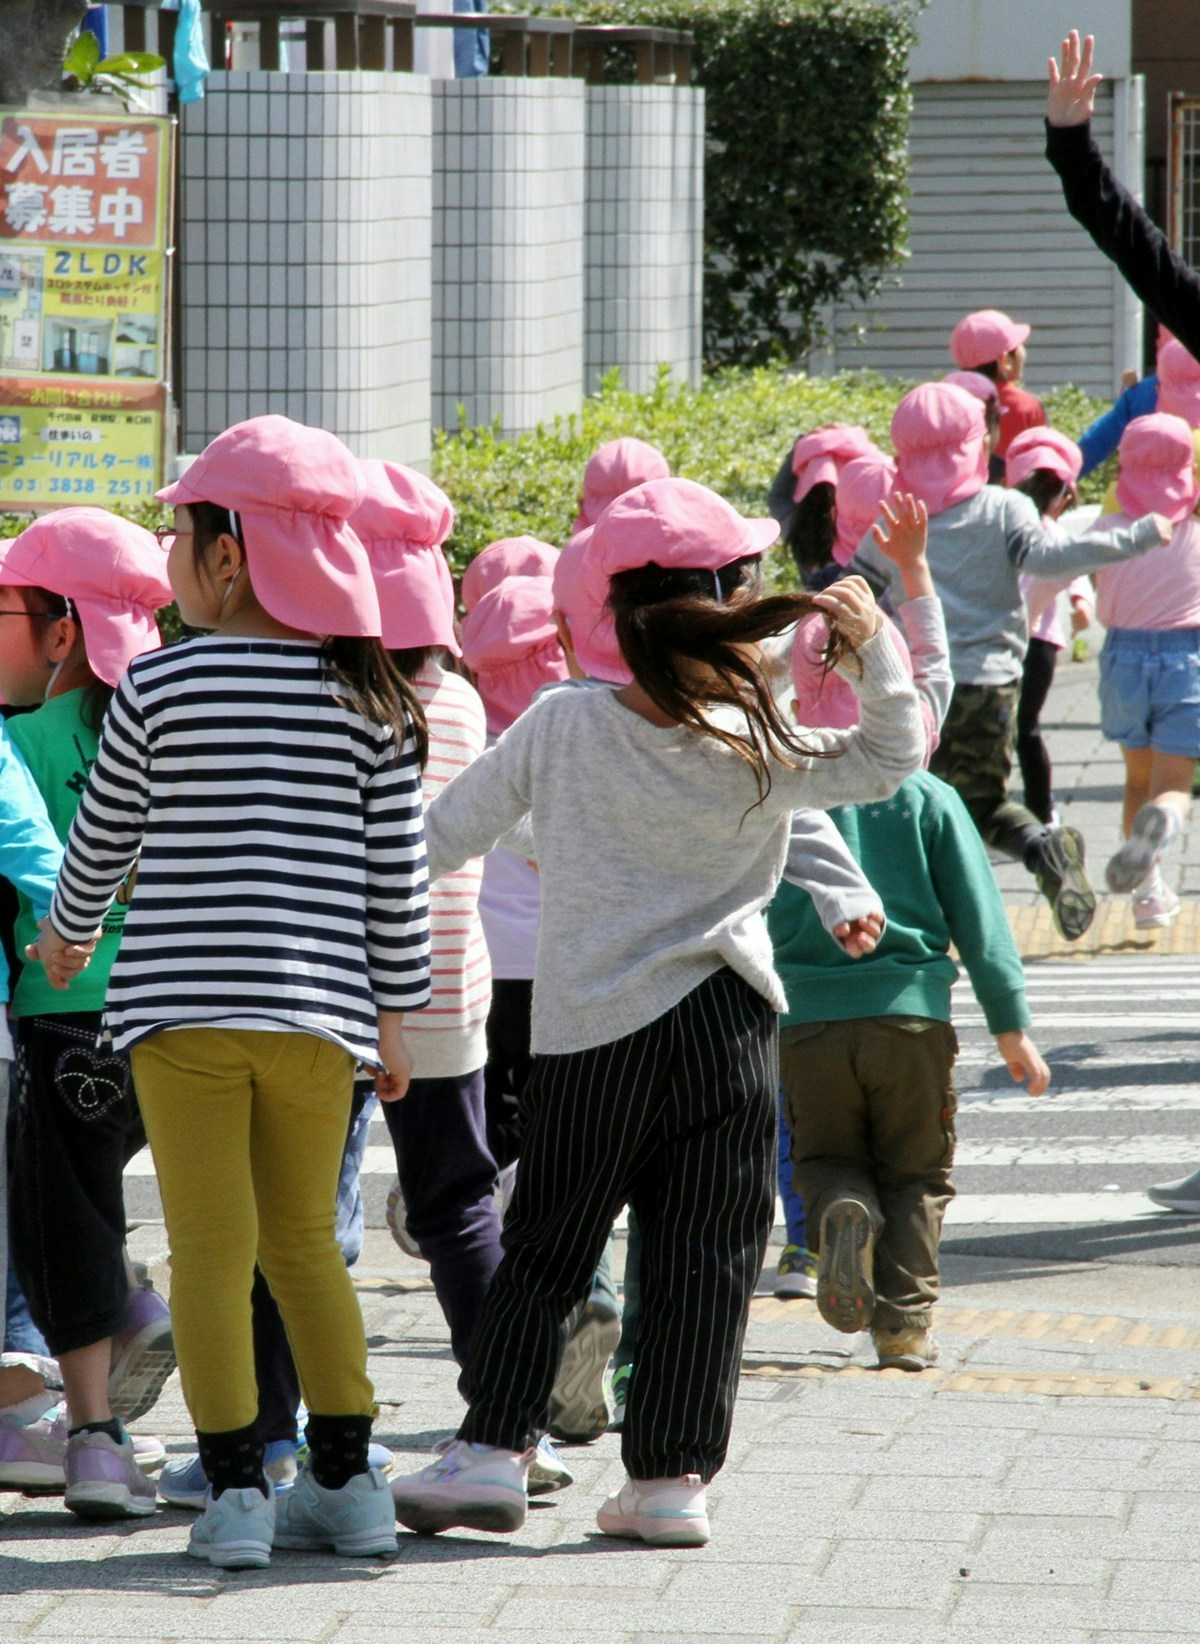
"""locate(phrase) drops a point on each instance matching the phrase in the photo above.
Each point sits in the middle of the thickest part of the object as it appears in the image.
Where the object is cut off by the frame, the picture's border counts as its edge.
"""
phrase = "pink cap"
(402, 521)
(861, 486)
(983, 337)
(614, 469)
(581, 595)
(509, 557)
(679, 525)
(828, 701)
(113, 572)
(1037, 448)
(941, 445)
(293, 488)
(1157, 468)
(975, 383)
(1179, 383)
(510, 643)
(817, 457)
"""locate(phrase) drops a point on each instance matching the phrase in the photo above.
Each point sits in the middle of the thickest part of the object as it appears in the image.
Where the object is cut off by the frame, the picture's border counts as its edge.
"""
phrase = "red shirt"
(1018, 410)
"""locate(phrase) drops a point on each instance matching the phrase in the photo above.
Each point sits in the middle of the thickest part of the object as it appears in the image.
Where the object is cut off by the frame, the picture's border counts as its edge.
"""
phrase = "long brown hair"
(670, 626)
(360, 671)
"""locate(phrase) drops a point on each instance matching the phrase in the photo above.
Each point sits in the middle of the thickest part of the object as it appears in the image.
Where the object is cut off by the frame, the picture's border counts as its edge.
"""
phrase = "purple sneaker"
(32, 1457)
(104, 1479)
(143, 1355)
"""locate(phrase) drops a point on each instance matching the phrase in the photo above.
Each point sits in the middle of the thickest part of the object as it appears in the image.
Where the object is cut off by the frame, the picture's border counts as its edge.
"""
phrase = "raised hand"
(852, 604)
(902, 537)
(1072, 93)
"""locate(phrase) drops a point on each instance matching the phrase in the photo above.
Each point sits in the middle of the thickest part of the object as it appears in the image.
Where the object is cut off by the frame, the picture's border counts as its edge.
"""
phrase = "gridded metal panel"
(1183, 176)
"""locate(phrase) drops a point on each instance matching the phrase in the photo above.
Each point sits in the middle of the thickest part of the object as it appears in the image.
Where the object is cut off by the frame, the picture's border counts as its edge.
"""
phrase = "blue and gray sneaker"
(182, 1483)
(548, 1471)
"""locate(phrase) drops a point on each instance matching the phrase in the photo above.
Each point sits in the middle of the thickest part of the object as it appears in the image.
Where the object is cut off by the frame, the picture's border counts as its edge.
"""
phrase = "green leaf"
(83, 56)
(131, 62)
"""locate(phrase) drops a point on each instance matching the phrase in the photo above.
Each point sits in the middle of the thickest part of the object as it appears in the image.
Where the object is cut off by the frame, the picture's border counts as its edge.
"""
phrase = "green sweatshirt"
(922, 853)
(59, 747)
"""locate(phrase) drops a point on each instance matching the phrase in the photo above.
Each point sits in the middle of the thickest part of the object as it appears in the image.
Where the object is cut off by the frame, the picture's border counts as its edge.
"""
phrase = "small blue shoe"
(182, 1483)
(236, 1530)
(281, 1464)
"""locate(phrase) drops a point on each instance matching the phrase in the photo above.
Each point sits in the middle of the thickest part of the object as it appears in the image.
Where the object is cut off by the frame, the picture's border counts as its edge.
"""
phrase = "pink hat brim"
(114, 631)
(822, 470)
(416, 597)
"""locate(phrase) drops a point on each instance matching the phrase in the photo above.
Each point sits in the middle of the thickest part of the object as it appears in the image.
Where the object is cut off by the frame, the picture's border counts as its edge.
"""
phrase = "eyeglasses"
(30, 616)
(166, 534)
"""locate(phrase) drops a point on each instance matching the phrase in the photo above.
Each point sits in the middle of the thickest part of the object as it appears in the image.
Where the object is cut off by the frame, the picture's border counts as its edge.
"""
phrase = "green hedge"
(806, 177)
(731, 434)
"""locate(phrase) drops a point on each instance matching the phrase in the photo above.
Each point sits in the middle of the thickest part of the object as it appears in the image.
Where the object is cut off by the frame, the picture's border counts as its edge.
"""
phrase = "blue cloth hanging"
(191, 67)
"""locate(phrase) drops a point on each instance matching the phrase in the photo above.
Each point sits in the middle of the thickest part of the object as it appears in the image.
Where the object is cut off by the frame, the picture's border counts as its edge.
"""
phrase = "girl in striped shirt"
(266, 777)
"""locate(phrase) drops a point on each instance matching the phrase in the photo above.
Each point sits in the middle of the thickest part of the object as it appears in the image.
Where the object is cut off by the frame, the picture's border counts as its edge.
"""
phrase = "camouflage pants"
(975, 757)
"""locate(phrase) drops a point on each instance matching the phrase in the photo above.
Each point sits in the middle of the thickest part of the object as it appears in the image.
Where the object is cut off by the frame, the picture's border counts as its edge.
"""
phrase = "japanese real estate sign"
(84, 225)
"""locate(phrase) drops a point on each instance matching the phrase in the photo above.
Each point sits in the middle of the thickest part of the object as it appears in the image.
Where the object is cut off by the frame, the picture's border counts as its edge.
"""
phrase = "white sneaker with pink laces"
(663, 1512)
(1155, 904)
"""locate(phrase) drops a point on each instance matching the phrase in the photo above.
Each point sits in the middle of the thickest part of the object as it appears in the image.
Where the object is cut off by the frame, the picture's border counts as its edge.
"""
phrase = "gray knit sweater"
(656, 861)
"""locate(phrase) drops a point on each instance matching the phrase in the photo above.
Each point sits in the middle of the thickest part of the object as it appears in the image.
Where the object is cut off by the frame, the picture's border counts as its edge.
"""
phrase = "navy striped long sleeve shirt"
(279, 844)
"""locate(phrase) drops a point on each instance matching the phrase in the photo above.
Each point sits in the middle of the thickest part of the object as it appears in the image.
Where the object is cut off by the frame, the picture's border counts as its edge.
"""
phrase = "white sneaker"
(236, 1530)
(357, 1521)
(664, 1512)
(472, 1485)
(1151, 831)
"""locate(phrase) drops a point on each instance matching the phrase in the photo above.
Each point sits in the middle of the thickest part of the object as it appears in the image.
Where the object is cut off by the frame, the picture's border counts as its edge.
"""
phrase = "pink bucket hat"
(1036, 448)
(1179, 383)
(402, 521)
(975, 383)
(981, 338)
(1157, 468)
(679, 525)
(940, 438)
(818, 457)
(509, 557)
(580, 595)
(826, 700)
(293, 489)
(861, 486)
(614, 469)
(510, 643)
(113, 572)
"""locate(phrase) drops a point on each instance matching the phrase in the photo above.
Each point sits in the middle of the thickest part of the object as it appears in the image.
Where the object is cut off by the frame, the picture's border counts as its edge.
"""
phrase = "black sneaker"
(1058, 868)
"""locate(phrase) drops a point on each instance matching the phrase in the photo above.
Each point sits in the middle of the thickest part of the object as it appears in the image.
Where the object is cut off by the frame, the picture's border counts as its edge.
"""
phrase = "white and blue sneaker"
(471, 1485)
(357, 1521)
(664, 1512)
(236, 1529)
(184, 1483)
(548, 1471)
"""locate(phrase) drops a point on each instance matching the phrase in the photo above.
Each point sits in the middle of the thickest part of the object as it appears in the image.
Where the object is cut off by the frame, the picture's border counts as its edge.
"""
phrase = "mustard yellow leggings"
(247, 1131)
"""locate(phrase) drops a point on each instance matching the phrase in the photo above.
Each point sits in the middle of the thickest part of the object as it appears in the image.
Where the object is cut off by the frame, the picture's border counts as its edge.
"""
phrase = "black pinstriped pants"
(677, 1120)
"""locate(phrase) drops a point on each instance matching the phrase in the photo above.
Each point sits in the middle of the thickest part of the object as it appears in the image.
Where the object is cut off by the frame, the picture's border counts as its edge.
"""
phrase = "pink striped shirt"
(449, 1037)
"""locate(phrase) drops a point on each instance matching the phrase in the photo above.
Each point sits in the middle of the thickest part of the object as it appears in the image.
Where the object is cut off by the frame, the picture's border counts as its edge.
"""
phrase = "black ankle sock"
(112, 1427)
(233, 1460)
(337, 1448)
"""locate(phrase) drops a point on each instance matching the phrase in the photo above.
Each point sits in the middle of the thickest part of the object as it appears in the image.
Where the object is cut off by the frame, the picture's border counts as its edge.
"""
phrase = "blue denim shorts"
(1150, 689)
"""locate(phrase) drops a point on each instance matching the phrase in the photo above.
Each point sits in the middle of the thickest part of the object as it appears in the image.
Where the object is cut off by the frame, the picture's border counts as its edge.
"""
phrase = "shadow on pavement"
(1150, 1240)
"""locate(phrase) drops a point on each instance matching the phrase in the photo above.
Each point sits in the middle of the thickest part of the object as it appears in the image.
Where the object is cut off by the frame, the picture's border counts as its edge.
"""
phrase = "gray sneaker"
(1183, 1195)
(1151, 831)
(1059, 866)
(846, 1266)
(357, 1521)
(236, 1529)
(103, 1479)
(580, 1401)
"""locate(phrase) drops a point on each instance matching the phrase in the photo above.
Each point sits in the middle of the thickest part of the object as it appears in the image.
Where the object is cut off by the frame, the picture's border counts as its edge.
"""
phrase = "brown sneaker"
(846, 1266)
(906, 1349)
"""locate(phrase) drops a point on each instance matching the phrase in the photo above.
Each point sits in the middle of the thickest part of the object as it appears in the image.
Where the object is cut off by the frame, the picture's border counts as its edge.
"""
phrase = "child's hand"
(1073, 91)
(1023, 1060)
(852, 603)
(1165, 529)
(393, 1082)
(1081, 615)
(63, 960)
(860, 936)
(902, 537)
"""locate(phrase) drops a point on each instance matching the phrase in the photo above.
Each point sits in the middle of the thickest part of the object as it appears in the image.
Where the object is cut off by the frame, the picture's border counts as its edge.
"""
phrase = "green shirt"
(924, 856)
(59, 748)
